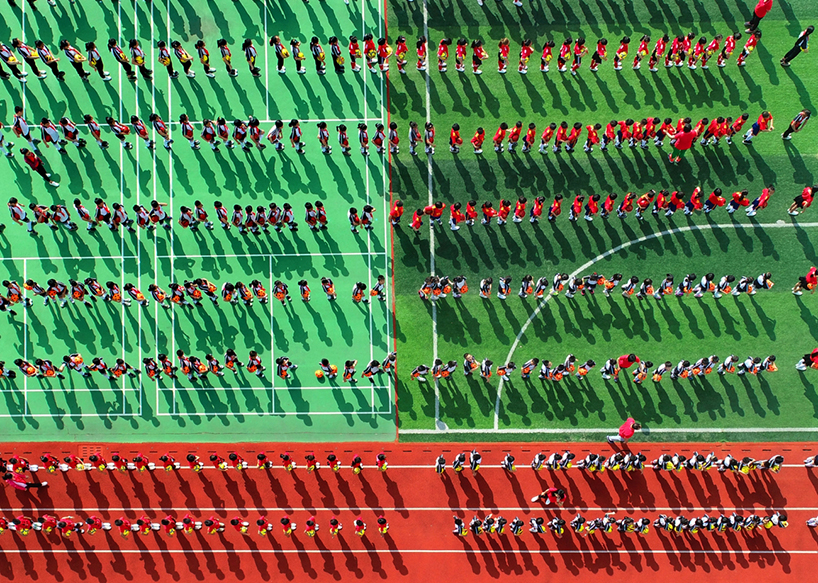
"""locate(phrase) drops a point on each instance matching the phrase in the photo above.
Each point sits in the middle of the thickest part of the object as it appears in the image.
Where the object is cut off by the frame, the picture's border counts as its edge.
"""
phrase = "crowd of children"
(492, 524)
(436, 288)
(662, 203)
(189, 294)
(192, 367)
(70, 526)
(626, 461)
(610, 369)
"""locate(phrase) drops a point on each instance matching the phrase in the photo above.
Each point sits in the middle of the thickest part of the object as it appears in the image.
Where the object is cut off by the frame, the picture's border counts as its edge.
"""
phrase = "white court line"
(122, 198)
(266, 66)
(438, 423)
(172, 354)
(610, 430)
(272, 338)
(460, 551)
(346, 387)
(72, 258)
(279, 413)
(617, 249)
(230, 256)
(25, 335)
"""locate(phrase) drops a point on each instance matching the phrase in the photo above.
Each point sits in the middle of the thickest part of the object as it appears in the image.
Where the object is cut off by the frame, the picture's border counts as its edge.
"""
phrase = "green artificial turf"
(772, 322)
(232, 408)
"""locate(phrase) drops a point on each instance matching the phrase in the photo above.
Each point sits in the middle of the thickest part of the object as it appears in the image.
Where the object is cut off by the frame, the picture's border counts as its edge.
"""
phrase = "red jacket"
(763, 7)
(626, 430)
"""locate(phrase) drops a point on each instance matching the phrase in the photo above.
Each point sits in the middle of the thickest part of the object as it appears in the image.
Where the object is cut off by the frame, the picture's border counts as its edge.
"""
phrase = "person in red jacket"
(456, 216)
(626, 431)
(36, 164)
(592, 207)
(593, 136)
(683, 142)
(576, 207)
(761, 201)
(455, 141)
(808, 281)
(749, 47)
(417, 220)
(396, 213)
(477, 140)
(803, 200)
(760, 11)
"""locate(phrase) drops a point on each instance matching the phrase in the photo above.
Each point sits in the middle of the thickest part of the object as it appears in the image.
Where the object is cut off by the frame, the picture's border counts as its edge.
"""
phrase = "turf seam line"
(431, 222)
(617, 249)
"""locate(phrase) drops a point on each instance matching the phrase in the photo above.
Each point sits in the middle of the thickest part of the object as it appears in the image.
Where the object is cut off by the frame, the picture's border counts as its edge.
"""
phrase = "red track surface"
(419, 507)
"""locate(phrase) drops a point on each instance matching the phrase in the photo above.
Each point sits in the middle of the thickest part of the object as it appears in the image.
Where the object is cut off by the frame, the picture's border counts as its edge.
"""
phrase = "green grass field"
(244, 407)
(783, 405)
(769, 323)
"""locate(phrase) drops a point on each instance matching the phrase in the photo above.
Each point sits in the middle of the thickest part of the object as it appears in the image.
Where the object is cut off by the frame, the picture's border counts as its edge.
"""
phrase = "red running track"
(419, 506)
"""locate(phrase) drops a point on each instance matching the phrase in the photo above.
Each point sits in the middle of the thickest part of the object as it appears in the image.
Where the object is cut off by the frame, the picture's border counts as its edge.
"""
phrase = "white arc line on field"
(617, 249)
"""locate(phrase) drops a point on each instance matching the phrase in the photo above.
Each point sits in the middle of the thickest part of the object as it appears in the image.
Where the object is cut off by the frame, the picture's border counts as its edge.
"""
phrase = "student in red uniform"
(763, 124)
(621, 53)
(564, 54)
(593, 136)
(803, 200)
(761, 201)
(696, 53)
(600, 54)
(503, 49)
(477, 140)
(479, 55)
(658, 53)
(749, 47)
(526, 50)
(573, 137)
(455, 141)
(529, 138)
(580, 50)
(759, 12)
(514, 136)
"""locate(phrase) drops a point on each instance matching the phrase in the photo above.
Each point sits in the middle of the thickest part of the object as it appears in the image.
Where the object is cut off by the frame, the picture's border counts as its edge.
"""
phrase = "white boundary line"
(172, 354)
(460, 551)
(25, 333)
(617, 249)
(385, 196)
(273, 375)
(430, 177)
(608, 430)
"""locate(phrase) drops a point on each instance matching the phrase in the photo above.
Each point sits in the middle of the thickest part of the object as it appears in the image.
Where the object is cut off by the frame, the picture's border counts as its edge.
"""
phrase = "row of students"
(247, 219)
(190, 293)
(141, 463)
(688, 49)
(243, 133)
(721, 523)
(44, 368)
(664, 202)
(330, 371)
(619, 133)
(556, 371)
(71, 526)
(439, 287)
(195, 369)
(608, 523)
